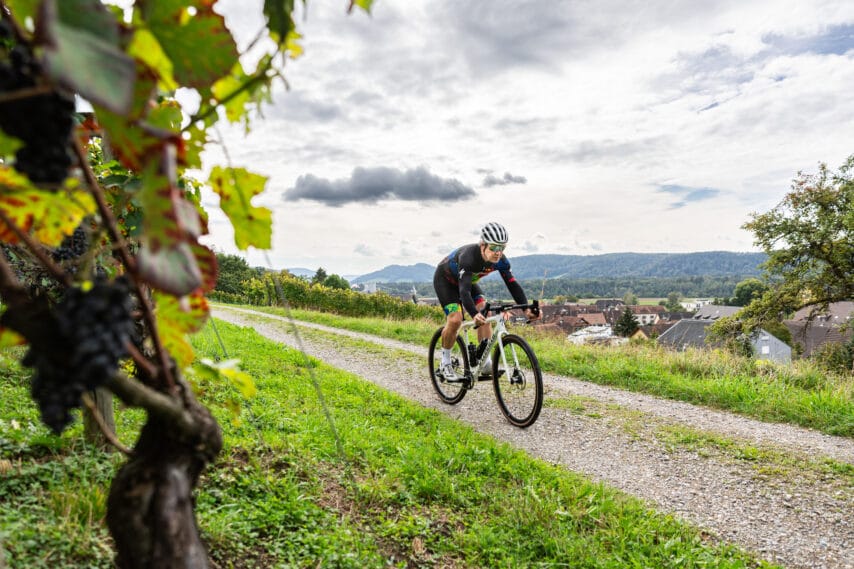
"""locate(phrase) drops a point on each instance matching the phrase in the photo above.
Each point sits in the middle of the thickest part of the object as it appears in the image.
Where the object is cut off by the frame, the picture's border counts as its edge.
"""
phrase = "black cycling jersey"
(465, 266)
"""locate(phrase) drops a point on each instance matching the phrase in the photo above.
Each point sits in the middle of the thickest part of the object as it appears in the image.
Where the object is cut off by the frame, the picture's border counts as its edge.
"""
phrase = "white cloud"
(651, 127)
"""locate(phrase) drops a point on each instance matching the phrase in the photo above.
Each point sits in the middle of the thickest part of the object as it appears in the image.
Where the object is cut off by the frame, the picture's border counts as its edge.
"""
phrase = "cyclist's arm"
(512, 284)
(466, 298)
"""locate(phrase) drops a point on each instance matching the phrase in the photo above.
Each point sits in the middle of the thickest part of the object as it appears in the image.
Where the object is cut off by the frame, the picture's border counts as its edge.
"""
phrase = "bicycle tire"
(518, 389)
(450, 393)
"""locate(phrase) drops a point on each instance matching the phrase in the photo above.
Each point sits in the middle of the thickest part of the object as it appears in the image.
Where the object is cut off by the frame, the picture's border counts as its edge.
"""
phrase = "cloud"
(836, 40)
(364, 250)
(508, 178)
(687, 194)
(370, 185)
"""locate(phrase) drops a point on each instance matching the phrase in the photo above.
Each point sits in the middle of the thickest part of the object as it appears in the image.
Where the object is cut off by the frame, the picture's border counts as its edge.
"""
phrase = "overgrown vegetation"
(412, 487)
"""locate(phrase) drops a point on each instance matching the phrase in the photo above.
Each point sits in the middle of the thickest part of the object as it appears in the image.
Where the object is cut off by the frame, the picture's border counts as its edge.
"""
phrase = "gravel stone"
(799, 521)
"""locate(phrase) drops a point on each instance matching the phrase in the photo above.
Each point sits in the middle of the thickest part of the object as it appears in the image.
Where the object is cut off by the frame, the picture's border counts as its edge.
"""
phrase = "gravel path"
(787, 508)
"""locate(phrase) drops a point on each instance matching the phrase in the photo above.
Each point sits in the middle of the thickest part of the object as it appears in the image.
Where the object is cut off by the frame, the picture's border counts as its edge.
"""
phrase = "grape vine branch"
(102, 274)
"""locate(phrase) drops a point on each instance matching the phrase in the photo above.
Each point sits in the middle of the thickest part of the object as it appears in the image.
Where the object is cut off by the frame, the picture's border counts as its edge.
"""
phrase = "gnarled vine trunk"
(150, 509)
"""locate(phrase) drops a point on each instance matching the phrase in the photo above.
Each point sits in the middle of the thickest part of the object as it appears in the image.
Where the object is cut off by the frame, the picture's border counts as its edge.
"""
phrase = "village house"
(692, 333)
(812, 329)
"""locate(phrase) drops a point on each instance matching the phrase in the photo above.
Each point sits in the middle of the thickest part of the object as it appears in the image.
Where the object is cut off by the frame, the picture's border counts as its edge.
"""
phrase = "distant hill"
(300, 272)
(418, 273)
(711, 263)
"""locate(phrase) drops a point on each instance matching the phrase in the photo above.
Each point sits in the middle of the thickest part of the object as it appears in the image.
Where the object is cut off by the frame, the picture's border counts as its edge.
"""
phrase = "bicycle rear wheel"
(519, 385)
(449, 392)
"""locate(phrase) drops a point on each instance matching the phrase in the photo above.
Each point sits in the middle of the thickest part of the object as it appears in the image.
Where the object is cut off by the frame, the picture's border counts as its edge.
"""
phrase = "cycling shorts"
(449, 294)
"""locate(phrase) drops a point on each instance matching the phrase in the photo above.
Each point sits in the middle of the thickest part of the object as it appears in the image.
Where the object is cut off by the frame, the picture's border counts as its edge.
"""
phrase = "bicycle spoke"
(518, 381)
(449, 392)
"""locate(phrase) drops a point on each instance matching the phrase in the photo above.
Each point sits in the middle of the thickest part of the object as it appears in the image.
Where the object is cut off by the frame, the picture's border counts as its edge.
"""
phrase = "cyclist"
(455, 281)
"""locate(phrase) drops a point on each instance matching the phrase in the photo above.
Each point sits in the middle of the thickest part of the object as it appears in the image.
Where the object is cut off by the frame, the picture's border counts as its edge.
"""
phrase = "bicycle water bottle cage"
(481, 347)
(472, 353)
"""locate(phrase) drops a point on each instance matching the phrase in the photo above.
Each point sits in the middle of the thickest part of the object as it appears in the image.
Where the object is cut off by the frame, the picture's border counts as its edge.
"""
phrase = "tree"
(233, 271)
(747, 291)
(117, 237)
(336, 281)
(627, 324)
(673, 304)
(320, 276)
(630, 298)
(809, 240)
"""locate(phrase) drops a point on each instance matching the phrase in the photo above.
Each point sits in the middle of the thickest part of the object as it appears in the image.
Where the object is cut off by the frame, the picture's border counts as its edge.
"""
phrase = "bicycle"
(515, 374)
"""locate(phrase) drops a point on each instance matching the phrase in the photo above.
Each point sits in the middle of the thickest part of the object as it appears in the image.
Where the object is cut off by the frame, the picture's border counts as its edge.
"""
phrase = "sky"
(584, 127)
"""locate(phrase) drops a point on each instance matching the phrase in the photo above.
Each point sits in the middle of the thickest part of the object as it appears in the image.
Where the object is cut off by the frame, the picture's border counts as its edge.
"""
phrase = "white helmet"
(493, 233)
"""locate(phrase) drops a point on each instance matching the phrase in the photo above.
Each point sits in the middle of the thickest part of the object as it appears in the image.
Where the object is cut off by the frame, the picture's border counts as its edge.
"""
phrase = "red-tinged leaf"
(82, 51)
(200, 46)
(171, 269)
(48, 216)
(206, 260)
(253, 226)
(177, 317)
(169, 217)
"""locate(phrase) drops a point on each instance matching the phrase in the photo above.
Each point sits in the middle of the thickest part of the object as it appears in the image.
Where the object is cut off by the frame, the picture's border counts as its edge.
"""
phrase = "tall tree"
(747, 291)
(320, 276)
(809, 240)
(626, 324)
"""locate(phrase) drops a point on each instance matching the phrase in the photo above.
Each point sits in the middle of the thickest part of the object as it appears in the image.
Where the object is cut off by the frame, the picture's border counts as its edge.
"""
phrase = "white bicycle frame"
(498, 331)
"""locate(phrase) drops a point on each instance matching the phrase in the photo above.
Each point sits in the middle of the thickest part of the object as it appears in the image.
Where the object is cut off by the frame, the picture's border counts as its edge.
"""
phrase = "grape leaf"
(228, 370)
(253, 226)
(146, 48)
(82, 52)
(171, 269)
(50, 216)
(23, 9)
(279, 19)
(206, 260)
(177, 317)
(200, 46)
(9, 338)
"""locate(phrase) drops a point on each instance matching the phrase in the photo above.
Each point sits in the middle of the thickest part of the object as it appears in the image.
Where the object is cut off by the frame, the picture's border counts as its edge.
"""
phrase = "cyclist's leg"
(449, 299)
(485, 331)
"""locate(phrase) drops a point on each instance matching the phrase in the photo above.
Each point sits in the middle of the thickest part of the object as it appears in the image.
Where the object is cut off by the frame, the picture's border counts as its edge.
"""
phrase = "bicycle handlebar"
(534, 306)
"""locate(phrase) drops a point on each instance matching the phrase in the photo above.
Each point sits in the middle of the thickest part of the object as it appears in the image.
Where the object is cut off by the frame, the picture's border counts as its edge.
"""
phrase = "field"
(399, 486)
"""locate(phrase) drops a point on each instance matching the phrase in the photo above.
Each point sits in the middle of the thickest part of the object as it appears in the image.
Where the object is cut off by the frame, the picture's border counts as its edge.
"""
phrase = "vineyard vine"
(100, 227)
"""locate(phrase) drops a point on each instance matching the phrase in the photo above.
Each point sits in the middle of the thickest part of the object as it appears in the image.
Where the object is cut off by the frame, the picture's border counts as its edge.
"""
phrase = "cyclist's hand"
(479, 319)
(531, 315)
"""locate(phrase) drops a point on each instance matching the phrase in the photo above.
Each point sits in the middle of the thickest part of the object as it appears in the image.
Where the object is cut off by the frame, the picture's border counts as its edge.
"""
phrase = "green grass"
(800, 393)
(413, 488)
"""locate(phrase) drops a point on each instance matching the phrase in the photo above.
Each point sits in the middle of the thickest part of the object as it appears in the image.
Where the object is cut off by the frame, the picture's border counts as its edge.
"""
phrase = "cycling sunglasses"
(495, 247)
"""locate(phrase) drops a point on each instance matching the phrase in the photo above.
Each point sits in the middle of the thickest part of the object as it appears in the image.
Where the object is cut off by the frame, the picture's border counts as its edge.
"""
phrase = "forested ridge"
(612, 265)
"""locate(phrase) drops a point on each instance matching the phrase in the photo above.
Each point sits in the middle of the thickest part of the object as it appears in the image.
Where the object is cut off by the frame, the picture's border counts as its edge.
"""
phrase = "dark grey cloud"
(508, 178)
(370, 185)
(687, 194)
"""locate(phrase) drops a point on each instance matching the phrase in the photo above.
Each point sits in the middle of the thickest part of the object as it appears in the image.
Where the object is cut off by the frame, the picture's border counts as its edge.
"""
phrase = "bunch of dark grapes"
(89, 337)
(43, 122)
(72, 246)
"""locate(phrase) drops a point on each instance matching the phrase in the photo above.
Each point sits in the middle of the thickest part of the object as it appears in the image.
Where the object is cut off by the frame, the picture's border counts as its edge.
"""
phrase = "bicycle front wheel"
(451, 392)
(518, 381)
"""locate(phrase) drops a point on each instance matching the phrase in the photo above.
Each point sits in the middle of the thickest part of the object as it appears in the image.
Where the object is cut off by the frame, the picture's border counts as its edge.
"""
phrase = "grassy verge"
(412, 487)
(799, 394)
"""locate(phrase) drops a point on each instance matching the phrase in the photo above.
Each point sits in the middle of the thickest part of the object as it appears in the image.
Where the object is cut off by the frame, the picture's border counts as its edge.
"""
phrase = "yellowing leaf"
(146, 48)
(253, 226)
(228, 369)
(9, 338)
(235, 106)
(177, 317)
(49, 216)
